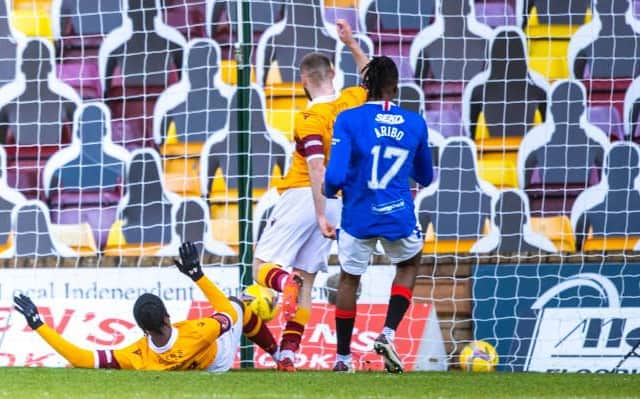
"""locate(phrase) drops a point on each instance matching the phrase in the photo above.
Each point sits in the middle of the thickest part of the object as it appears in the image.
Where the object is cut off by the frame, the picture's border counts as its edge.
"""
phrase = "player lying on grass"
(377, 147)
(298, 233)
(209, 343)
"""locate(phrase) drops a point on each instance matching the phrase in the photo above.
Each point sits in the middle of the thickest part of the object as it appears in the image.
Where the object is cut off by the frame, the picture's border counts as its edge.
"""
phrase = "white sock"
(276, 356)
(389, 334)
(287, 354)
(344, 358)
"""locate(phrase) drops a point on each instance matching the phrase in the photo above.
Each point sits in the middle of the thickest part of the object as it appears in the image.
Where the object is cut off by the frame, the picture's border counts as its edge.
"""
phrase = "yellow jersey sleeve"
(354, 96)
(310, 130)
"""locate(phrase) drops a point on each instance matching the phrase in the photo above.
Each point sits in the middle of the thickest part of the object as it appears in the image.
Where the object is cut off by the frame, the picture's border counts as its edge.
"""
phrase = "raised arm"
(190, 266)
(76, 356)
(346, 36)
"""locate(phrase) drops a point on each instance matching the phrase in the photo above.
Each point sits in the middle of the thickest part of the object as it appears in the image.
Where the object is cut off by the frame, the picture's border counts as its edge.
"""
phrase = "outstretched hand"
(344, 32)
(25, 306)
(190, 265)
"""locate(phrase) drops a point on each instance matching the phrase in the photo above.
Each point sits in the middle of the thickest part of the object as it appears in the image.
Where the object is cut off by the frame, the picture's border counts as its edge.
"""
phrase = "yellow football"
(479, 357)
(262, 301)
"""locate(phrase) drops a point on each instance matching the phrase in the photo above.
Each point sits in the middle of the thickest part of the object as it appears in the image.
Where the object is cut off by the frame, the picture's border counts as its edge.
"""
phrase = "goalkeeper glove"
(28, 309)
(190, 265)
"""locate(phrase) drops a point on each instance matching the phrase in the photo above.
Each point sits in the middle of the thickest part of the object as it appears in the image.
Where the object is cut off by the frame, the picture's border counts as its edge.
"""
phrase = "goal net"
(128, 127)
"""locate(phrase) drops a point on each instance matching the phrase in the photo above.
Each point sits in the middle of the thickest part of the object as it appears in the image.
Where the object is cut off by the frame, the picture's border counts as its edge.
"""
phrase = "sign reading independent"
(559, 318)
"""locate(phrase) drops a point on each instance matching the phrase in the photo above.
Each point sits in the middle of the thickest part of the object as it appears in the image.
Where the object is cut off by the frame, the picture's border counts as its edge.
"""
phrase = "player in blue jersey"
(377, 148)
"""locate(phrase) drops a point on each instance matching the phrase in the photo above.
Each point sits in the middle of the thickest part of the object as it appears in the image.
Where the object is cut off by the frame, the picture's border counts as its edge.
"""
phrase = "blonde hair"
(317, 67)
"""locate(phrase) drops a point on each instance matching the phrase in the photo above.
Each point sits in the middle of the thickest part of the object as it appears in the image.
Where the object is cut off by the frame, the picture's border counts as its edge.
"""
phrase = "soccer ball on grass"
(479, 356)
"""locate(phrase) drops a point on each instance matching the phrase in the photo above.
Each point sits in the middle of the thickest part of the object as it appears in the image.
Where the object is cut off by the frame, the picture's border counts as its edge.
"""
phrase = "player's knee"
(410, 263)
(350, 281)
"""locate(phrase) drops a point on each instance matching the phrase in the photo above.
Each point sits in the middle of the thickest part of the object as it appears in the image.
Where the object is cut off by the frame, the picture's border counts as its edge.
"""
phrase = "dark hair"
(380, 78)
(150, 312)
(316, 66)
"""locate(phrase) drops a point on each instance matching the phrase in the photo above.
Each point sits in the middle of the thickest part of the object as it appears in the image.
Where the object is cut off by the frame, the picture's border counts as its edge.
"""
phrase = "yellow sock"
(293, 330)
(298, 322)
(272, 276)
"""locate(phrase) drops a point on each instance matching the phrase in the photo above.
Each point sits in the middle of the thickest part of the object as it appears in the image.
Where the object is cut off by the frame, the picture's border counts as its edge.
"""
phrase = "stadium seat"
(36, 111)
(78, 237)
(79, 23)
(511, 231)
(282, 46)
(80, 27)
(605, 53)
(501, 104)
(550, 25)
(197, 106)
(399, 53)
(224, 217)
(445, 56)
(558, 230)
(83, 182)
(446, 121)
(396, 22)
(281, 112)
(606, 217)
(189, 112)
(8, 44)
(35, 106)
(187, 16)
(191, 222)
(143, 223)
(9, 198)
(349, 13)
(137, 62)
(495, 13)
(264, 14)
(83, 76)
(269, 148)
(32, 235)
(33, 17)
(224, 222)
(632, 111)
(457, 205)
(450, 51)
(560, 158)
(607, 118)
(507, 93)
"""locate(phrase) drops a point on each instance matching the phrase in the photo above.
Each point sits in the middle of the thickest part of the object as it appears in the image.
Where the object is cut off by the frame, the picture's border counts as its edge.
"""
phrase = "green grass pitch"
(69, 383)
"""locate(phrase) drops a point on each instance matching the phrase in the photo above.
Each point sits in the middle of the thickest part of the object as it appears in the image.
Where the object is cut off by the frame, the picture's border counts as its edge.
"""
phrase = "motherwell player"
(302, 224)
(209, 343)
(377, 148)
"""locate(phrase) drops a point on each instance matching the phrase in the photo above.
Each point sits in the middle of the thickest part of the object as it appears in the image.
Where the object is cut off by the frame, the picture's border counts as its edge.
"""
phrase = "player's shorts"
(228, 345)
(355, 253)
(292, 237)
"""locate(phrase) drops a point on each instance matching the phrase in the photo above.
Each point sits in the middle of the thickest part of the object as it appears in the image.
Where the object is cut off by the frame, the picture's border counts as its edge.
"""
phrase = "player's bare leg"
(401, 293)
(293, 330)
(345, 319)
